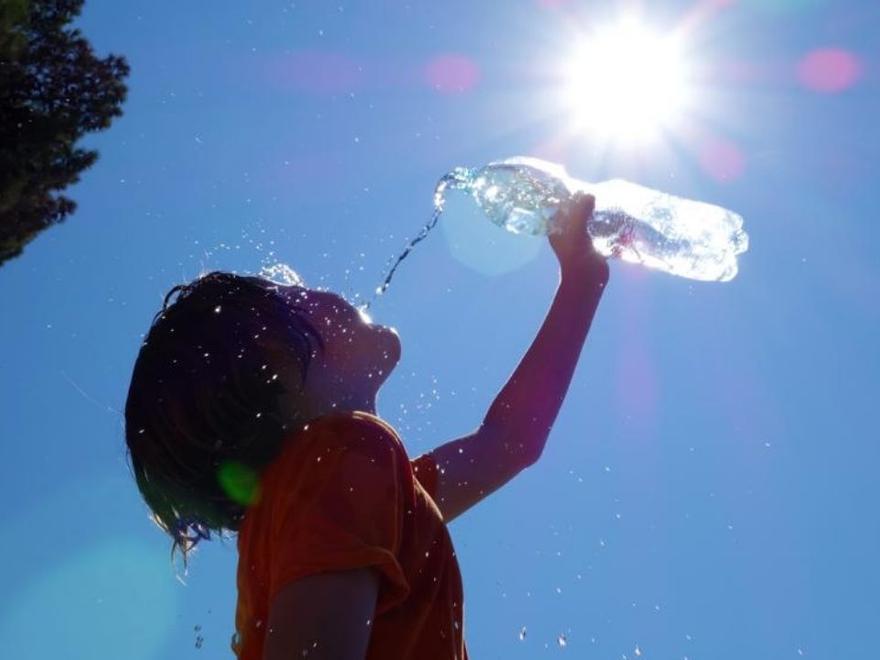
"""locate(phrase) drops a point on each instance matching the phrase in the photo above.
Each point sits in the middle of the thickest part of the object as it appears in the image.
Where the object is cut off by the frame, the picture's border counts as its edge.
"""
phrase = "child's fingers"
(586, 204)
(589, 205)
(579, 211)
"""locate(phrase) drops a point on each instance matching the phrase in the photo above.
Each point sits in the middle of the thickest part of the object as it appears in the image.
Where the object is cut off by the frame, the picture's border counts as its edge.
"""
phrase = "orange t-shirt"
(343, 494)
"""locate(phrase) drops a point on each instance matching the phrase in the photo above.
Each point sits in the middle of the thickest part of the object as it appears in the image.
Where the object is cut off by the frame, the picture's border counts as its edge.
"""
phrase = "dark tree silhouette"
(53, 90)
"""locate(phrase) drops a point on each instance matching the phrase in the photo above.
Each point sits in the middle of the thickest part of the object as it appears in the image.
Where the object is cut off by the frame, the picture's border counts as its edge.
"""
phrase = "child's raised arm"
(515, 428)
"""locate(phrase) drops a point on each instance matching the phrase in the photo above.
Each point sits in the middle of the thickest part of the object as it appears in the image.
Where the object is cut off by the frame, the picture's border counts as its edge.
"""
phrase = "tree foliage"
(53, 90)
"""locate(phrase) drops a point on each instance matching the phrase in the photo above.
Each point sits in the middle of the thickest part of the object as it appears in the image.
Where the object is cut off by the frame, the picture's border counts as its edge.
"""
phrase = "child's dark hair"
(202, 417)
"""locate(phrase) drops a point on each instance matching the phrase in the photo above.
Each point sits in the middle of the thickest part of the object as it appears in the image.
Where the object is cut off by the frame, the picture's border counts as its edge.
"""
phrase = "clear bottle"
(631, 222)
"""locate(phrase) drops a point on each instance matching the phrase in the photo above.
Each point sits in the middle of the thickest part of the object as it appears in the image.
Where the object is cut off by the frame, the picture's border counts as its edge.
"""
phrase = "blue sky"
(709, 488)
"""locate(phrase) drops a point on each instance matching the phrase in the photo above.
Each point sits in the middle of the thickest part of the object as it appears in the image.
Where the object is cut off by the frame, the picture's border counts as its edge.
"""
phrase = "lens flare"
(240, 483)
(721, 159)
(452, 73)
(829, 70)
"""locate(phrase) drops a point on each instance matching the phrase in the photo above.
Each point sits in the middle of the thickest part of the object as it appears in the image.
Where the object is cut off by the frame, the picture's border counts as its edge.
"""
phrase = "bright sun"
(626, 83)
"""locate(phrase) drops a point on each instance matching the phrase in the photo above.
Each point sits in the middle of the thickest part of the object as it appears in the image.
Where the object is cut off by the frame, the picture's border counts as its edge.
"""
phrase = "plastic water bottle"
(631, 222)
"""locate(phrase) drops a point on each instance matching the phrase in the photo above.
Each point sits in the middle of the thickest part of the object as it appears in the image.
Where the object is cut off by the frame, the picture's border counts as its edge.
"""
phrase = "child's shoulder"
(355, 431)
(349, 447)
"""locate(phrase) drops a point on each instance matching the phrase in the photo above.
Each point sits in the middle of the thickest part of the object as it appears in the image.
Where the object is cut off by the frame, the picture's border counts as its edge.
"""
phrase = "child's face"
(358, 355)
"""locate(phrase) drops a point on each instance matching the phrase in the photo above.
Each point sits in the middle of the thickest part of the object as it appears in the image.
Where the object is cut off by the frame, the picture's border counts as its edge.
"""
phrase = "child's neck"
(326, 406)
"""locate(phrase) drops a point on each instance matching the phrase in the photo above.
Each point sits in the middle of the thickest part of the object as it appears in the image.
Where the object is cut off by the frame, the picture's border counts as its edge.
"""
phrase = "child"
(252, 409)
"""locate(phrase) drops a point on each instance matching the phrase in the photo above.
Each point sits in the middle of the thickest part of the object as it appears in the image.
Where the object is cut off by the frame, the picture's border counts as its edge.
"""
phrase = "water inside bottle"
(514, 195)
(630, 222)
(681, 236)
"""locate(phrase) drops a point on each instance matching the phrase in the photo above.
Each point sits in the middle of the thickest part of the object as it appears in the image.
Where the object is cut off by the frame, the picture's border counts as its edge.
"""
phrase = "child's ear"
(283, 366)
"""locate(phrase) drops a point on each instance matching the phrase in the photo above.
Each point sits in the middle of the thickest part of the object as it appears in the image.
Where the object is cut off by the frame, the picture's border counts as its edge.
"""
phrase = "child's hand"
(570, 241)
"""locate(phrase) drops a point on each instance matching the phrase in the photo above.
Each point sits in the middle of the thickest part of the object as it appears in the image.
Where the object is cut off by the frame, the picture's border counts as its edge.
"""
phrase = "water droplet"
(637, 650)
(217, 309)
(561, 640)
(522, 634)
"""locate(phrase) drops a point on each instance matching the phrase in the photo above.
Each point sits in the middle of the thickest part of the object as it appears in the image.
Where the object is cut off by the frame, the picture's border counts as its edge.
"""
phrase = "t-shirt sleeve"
(342, 510)
(425, 470)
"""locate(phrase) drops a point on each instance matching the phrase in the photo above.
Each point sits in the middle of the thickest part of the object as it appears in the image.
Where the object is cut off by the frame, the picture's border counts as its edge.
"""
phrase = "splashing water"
(459, 178)
(281, 273)
(380, 290)
(235, 643)
(469, 180)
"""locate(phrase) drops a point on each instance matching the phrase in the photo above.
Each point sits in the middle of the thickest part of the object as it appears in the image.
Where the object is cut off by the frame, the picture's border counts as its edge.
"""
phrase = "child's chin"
(390, 348)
